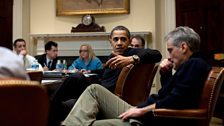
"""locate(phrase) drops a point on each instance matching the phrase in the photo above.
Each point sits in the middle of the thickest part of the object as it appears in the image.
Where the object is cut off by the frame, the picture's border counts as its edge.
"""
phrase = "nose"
(119, 42)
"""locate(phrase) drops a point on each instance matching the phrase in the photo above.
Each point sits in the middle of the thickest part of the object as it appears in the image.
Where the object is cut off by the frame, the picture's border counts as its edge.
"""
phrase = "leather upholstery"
(135, 81)
(219, 108)
(208, 100)
(23, 103)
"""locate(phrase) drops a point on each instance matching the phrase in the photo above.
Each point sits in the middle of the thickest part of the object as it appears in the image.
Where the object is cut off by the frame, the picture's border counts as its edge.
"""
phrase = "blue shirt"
(93, 64)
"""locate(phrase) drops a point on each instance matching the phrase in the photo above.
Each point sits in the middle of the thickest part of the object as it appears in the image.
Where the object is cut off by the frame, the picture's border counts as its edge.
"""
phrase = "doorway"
(6, 14)
(206, 17)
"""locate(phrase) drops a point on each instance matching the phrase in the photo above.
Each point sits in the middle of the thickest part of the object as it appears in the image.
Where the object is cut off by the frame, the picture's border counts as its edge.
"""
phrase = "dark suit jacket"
(182, 90)
(42, 60)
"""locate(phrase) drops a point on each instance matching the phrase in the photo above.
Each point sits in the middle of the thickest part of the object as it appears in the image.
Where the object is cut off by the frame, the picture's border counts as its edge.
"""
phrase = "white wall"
(44, 19)
(156, 16)
(21, 22)
(17, 19)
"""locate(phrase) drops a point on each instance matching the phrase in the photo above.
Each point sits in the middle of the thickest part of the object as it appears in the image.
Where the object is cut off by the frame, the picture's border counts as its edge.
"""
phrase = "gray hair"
(11, 65)
(184, 34)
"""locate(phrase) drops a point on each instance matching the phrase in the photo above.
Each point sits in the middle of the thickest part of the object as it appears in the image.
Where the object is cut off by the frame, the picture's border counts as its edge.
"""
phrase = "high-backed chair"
(23, 103)
(135, 81)
(202, 115)
(35, 75)
(219, 108)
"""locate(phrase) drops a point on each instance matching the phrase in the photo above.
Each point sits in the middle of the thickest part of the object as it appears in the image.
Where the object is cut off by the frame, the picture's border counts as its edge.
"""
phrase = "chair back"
(35, 75)
(219, 109)
(135, 81)
(23, 103)
(211, 92)
(201, 115)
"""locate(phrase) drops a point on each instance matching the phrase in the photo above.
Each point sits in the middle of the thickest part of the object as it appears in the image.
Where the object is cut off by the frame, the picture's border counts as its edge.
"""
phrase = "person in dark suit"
(49, 59)
(180, 90)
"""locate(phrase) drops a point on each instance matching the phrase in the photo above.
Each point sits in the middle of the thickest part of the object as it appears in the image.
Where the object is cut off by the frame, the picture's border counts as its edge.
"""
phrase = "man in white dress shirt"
(20, 49)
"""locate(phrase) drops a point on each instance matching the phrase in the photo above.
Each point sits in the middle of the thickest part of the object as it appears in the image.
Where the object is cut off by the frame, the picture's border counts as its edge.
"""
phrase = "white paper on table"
(48, 81)
(89, 74)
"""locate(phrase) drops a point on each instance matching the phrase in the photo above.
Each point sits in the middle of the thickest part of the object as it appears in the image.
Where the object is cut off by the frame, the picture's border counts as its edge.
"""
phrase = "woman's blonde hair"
(90, 51)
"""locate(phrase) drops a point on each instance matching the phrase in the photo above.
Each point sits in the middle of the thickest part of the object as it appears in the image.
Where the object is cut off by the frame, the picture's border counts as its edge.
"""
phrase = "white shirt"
(28, 60)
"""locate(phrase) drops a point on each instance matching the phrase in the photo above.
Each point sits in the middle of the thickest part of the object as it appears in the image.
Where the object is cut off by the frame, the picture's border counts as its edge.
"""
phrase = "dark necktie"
(49, 64)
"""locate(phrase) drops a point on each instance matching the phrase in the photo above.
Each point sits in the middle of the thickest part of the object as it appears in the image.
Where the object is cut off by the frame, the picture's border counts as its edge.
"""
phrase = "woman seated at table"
(87, 60)
(86, 63)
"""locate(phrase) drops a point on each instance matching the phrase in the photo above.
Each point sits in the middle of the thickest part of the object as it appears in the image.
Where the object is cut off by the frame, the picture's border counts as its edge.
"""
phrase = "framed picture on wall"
(77, 7)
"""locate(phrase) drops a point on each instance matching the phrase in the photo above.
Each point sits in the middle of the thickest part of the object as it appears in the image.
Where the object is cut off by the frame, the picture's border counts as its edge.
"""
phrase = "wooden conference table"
(53, 80)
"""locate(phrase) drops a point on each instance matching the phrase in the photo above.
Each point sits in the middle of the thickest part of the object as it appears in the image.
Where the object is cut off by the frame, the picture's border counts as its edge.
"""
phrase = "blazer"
(42, 60)
(181, 90)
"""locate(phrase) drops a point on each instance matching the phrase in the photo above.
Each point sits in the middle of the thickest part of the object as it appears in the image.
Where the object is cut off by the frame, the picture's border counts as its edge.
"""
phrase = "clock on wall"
(87, 20)
(88, 25)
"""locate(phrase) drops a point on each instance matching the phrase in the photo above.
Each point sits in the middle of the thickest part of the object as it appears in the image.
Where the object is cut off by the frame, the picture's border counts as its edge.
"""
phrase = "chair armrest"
(121, 80)
(181, 114)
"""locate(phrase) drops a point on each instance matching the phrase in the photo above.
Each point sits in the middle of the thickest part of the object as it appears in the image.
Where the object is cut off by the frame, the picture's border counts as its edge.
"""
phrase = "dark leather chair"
(219, 108)
(202, 115)
(23, 103)
(135, 81)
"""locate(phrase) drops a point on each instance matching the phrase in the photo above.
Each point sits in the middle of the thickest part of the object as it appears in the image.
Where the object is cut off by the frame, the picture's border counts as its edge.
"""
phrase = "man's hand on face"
(166, 65)
(23, 52)
(119, 61)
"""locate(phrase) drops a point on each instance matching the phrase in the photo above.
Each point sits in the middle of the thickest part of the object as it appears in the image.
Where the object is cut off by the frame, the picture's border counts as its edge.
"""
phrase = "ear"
(184, 47)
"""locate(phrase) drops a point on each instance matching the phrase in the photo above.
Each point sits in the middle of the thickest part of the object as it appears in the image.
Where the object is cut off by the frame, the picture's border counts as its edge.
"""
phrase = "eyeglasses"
(83, 51)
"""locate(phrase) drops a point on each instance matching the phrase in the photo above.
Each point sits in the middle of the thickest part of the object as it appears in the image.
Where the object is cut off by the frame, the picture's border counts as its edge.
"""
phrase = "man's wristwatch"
(136, 59)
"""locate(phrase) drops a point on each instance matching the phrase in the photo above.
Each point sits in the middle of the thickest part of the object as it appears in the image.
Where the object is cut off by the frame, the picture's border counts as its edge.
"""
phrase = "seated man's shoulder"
(198, 62)
(198, 65)
(39, 56)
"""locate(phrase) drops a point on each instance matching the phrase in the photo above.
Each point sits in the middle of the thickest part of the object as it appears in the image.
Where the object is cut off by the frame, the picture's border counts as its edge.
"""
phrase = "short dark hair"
(138, 37)
(18, 40)
(120, 27)
(49, 44)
